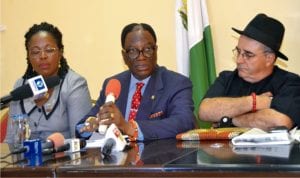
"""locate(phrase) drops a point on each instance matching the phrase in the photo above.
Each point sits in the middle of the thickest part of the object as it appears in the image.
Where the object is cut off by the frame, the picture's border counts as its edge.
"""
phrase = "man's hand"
(263, 101)
(110, 113)
(90, 125)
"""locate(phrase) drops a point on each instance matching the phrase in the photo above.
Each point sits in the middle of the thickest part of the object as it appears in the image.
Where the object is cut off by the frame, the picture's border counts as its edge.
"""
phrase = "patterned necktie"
(136, 100)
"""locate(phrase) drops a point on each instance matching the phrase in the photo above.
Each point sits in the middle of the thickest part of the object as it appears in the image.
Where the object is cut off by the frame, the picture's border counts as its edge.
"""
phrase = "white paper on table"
(257, 136)
(95, 141)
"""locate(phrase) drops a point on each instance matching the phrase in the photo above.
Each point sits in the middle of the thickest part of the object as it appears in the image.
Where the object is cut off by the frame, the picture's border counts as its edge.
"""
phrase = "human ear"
(270, 59)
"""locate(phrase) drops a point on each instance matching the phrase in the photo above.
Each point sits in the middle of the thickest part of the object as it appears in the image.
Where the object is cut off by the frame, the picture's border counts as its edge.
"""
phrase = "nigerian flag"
(194, 47)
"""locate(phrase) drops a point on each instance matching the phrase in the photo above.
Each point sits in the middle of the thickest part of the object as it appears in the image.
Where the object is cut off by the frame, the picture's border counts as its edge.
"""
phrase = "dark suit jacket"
(168, 93)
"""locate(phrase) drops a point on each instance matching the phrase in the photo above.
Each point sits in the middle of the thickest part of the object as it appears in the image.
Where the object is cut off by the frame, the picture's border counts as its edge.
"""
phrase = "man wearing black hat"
(257, 93)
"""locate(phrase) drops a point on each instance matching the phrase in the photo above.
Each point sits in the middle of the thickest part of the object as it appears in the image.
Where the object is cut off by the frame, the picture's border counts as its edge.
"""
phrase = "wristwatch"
(226, 122)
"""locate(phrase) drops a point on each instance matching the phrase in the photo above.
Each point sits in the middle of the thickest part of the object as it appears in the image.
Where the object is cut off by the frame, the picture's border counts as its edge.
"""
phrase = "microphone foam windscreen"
(21, 92)
(52, 81)
(113, 86)
(25, 91)
(57, 138)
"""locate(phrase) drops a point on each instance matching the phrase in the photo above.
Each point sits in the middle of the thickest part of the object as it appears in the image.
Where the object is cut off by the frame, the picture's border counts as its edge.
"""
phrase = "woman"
(62, 106)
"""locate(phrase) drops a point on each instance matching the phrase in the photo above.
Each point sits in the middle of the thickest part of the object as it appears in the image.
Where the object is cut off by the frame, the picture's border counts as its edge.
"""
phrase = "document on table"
(257, 136)
(96, 140)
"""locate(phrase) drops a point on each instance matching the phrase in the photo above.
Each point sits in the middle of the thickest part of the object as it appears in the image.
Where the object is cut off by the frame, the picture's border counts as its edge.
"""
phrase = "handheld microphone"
(114, 140)
(36, 87)
(112, 92)
(108, 146)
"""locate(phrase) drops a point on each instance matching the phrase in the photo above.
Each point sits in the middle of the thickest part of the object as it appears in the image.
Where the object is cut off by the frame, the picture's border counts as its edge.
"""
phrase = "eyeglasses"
(247, 55)
(134, 53)
(35, 53)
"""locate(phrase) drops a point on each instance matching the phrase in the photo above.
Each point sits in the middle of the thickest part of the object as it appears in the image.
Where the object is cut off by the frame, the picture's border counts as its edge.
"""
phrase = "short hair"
(57, 35)
(133, 26)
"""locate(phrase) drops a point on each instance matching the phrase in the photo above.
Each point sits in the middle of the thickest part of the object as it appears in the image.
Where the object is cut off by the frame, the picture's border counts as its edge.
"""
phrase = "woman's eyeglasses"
(35, 53)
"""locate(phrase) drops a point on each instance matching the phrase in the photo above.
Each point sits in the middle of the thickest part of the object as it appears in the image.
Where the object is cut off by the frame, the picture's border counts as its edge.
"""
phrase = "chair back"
(3, 124)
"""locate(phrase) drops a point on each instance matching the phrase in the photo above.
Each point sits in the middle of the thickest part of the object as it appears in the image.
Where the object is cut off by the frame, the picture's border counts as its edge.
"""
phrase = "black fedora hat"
(266, 30)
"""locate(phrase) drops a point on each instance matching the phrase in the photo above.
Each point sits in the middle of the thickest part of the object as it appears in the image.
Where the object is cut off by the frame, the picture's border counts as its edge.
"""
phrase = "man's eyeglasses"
(134, 53)
(35, 53)
(245, 55)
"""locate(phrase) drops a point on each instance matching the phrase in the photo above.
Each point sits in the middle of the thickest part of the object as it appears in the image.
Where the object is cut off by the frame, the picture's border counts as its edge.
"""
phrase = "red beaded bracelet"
(134, 137)
(253, 102)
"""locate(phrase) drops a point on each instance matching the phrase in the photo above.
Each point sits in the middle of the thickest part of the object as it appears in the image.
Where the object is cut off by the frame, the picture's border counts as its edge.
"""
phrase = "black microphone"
(30, 147)
(108, 146)
(53, 141)
(26, 91)
(36, 147)
(71, 145)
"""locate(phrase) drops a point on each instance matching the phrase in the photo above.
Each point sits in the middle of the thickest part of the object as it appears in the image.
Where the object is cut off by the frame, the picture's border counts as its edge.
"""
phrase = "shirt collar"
(134, 80)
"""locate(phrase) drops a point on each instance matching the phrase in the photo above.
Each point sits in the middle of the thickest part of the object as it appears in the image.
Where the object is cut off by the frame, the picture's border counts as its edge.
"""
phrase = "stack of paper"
(257, 136)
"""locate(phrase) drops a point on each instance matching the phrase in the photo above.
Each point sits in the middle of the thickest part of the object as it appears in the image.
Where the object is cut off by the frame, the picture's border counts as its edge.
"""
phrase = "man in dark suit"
(166, 107)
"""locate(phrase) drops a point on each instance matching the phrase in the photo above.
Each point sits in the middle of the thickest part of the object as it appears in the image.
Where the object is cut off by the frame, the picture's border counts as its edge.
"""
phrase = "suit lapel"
(122, 101)
(151, 96)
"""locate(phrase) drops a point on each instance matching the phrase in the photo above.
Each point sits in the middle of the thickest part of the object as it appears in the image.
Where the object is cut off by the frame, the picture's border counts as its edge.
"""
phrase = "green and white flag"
(195, 57)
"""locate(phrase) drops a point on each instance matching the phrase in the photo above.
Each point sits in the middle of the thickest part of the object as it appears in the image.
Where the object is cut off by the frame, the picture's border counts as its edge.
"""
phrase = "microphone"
(112, 92)
(71, 145)
(36, 87)
(108, 146)
(53, 141)
(114, 140)
(30, 147)
(35, 147)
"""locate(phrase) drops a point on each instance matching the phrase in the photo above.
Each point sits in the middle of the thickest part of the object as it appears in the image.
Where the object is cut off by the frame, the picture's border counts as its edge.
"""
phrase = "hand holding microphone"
(106, 114)
(112, 92)
(109, 113)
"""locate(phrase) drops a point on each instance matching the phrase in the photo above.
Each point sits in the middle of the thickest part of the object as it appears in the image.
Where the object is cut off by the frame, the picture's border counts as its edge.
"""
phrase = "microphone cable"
(17, 151)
